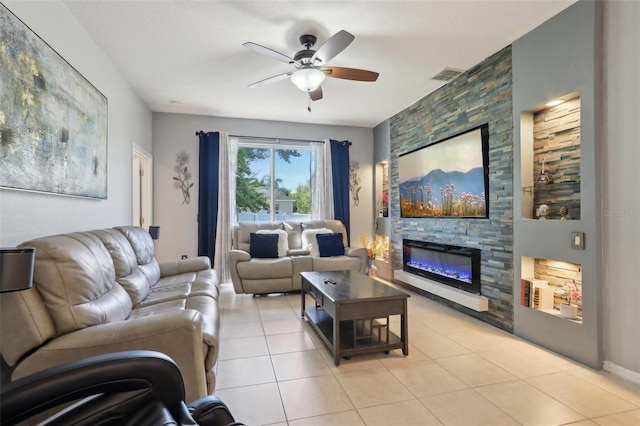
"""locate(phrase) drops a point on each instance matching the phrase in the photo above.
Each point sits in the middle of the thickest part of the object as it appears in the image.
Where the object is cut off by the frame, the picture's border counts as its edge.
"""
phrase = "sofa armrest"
(355, 251)
(360, 252)
(239, 255)
(192, 264)
(177, 334)
(235, 257)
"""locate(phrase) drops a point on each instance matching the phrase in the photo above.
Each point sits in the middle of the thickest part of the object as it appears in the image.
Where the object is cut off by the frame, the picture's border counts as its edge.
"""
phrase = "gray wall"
(173, 133)
(559, 57)
(26, 215)
(480, 95)
(620, 197)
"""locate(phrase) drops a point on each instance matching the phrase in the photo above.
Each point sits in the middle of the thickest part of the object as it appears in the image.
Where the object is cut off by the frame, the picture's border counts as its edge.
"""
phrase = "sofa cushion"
(310, 242)
(294, 232)
(182, 286)
(330, 245)
(283, 240)
(125, 262)
(334, 225)
(243, 230)
(75, 276)
(264, 245)
(140, 241)
(258, 269)
(143, 247)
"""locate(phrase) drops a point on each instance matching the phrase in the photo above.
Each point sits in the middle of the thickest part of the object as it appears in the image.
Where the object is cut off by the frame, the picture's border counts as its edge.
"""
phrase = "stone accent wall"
(556, 140)
(480, 95)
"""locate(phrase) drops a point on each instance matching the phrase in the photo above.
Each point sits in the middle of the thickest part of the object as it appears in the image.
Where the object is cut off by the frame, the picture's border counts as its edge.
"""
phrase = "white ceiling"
(187, 56)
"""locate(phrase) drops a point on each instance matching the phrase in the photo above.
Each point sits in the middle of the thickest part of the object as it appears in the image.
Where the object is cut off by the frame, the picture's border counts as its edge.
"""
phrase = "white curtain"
(321, 181)
(226, 204)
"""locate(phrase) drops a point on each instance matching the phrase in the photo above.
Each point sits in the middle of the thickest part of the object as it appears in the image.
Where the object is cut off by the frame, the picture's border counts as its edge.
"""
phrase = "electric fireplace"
(455, 266)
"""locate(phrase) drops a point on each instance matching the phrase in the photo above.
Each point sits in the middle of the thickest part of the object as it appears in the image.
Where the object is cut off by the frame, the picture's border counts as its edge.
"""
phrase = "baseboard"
(623, 373)
(472, 301)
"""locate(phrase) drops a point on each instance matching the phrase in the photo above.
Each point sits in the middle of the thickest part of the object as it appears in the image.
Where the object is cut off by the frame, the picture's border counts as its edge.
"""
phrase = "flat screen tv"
(448, 178)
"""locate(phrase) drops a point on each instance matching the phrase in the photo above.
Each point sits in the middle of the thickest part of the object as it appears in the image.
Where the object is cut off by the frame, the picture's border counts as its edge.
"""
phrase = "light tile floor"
(274, 370)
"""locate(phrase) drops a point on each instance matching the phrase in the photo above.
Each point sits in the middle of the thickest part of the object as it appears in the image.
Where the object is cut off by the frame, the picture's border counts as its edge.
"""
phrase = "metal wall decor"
(354, 182)
(53, 122)
(181, 181)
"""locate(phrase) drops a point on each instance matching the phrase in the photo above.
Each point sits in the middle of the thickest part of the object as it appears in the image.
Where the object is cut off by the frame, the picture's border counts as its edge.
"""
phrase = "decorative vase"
(569, 311)
(373, 269)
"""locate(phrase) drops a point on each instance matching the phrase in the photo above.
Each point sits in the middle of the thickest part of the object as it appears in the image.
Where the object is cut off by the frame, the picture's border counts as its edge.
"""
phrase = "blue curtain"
(340, 172)
(209, 165)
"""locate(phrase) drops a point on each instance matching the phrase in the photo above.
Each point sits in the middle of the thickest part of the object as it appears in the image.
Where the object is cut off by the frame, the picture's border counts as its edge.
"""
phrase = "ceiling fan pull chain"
(308, 104)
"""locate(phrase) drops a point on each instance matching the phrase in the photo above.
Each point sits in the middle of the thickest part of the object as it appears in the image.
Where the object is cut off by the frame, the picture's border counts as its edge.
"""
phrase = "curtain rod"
(277, 140)
(264, 138)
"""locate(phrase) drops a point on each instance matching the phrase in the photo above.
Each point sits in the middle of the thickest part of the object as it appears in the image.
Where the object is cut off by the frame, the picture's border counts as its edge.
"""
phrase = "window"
(273, 182)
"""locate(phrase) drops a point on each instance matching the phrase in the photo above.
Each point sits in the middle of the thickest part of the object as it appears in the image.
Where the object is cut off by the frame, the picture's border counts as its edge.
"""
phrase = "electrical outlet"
(184, 256)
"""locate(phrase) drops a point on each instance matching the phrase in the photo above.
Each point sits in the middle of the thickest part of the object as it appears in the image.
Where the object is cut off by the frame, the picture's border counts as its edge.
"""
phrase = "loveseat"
(297, 252)
(103, 291)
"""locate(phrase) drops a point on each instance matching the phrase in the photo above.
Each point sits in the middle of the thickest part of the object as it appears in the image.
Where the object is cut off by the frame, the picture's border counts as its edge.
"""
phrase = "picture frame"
(448, 178)
(53, 121)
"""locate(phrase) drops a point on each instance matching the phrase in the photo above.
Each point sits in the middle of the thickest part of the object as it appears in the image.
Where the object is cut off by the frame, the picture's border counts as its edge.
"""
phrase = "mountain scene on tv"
(440, 193)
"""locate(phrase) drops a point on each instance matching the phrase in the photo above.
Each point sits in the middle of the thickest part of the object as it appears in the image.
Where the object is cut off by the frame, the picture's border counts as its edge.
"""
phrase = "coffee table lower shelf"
(323, 324)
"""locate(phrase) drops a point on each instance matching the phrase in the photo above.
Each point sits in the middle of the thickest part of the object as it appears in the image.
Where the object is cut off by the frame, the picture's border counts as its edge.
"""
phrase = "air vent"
(447, 74)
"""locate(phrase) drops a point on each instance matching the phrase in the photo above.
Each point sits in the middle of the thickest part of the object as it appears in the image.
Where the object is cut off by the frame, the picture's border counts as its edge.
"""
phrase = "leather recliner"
(121, 388)
(280, 275)
(103, 291)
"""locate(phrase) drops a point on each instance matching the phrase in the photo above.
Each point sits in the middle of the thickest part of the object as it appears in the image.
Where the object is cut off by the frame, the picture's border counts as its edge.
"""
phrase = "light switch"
(577, 240)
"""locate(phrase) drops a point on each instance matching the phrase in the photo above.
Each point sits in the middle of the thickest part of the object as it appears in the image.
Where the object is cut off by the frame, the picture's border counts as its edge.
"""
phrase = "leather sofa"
(103, 291)
(253, 275)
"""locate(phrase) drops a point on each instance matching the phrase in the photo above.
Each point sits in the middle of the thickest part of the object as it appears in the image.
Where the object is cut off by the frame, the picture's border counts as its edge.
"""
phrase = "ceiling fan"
(310, 65)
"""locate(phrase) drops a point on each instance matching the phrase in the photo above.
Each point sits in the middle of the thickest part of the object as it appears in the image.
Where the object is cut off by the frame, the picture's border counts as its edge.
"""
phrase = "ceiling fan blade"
(336, 44)
(270, 80)
(351, 74)
(268, 52)
(316, 95)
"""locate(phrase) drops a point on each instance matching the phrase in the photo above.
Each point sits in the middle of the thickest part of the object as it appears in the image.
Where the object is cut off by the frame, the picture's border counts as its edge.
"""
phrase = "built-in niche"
(382, 189)
(381, 239)
(551, 160)
(548, 284)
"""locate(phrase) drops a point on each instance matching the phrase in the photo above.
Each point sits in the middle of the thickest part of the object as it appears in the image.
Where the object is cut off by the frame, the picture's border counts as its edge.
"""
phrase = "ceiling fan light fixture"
(308, 79)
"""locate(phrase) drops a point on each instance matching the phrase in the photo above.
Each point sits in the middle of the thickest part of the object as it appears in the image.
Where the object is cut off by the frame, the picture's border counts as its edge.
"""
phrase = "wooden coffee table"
(351, 313)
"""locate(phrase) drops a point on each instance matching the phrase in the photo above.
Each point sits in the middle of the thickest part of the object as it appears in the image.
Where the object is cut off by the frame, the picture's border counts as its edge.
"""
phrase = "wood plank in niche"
(557, 274)
(556, 133)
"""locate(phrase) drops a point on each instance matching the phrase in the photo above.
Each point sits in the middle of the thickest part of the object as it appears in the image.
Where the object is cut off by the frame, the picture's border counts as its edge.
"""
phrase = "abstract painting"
(53, 122)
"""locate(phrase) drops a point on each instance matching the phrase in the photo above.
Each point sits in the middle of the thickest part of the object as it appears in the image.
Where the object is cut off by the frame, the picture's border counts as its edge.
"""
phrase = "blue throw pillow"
(330, 244)
(263, 245)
